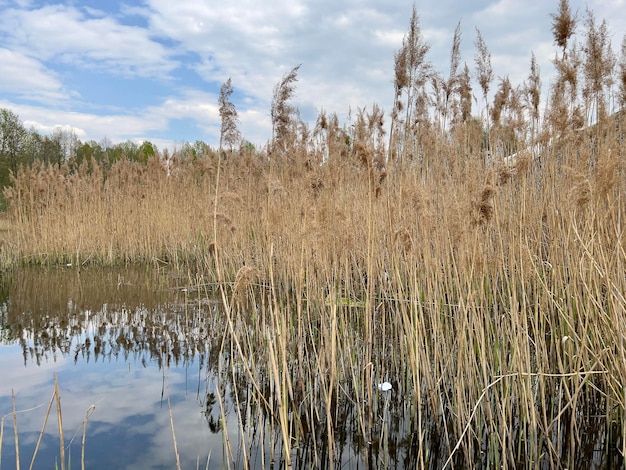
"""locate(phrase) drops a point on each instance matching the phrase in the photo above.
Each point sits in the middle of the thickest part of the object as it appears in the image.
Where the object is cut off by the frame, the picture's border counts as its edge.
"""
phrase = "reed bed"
(487, 292)
(490, 297)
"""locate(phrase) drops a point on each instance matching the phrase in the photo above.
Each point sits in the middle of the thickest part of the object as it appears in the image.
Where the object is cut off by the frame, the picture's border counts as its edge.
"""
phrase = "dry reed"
(491, 296)
(494, 307)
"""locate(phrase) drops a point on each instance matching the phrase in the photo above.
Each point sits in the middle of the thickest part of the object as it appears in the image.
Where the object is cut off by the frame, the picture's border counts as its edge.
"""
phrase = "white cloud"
(92, 126)
(65, 34)
(256, 44)
(106, 386)
(29, 78)
(193, 104)
(508, 10)
(346, 51)
(47, 130)
(21, 378)
(392, 38)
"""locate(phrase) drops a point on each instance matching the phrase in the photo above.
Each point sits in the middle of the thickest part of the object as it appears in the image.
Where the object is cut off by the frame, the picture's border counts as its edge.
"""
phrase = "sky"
(152, 69)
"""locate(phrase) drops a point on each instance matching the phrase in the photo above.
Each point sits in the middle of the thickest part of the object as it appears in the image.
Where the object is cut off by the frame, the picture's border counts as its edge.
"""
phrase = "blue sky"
(151, 70)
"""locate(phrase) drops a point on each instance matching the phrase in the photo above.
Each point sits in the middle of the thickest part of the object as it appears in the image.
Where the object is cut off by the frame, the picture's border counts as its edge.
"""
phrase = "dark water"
(119, 340)
(139, 348)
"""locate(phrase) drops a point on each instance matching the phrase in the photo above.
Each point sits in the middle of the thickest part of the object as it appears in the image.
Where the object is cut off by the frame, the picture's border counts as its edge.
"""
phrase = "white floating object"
(384, 387)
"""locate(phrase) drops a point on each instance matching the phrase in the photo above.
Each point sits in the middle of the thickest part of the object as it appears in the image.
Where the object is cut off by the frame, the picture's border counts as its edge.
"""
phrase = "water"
(139, 352)
(118, 341)
(131, 347)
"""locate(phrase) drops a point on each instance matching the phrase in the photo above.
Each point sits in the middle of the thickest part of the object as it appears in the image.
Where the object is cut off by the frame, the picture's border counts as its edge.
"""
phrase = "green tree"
(32, 147)
(51, 150)
(193, 152)
(147, 150)
(247, 148)
(12, 140)
(89, 152)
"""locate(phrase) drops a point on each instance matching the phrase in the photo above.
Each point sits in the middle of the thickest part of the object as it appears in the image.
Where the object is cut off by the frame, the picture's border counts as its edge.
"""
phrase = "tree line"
(428, 107)
(20, 147)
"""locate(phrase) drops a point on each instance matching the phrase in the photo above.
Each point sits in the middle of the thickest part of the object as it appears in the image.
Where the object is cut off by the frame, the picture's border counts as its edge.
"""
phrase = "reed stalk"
(57, 396)
(171, 414)
(491, 295)
(15, 433)
(43, 428)
(91, 409)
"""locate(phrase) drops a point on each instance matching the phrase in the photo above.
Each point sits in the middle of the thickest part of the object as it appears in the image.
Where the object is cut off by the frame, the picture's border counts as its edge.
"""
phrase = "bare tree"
(68, 143)
(229, 134)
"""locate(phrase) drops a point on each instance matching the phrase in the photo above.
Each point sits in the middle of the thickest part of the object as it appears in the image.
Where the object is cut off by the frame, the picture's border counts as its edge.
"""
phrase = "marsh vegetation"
(476, 264)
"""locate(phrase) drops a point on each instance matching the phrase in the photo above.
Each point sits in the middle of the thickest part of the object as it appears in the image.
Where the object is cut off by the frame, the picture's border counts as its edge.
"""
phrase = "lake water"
(136, 350)
(139, 352)
(119, 341)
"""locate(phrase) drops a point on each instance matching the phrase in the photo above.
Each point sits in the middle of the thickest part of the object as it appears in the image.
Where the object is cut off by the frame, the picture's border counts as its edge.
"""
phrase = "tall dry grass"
(492, 298)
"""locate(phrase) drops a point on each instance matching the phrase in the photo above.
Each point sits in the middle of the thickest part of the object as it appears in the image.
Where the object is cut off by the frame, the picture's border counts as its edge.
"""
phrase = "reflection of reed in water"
(281, 367)
(106, 314)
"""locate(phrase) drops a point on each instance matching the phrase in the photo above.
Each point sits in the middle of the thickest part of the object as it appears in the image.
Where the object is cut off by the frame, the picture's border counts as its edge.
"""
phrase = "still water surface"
(119, 340)
(140, 349)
